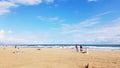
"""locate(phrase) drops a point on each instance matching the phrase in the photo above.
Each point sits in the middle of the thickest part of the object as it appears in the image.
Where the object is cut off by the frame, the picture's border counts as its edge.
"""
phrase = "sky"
(60, 21)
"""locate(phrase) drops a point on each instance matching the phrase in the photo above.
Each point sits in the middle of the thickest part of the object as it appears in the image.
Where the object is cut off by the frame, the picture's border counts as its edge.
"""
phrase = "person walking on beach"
(76, 46)
(81, 48)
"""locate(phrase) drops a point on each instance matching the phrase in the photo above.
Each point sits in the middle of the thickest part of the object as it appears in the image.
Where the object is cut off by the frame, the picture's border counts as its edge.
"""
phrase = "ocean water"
(71, 46)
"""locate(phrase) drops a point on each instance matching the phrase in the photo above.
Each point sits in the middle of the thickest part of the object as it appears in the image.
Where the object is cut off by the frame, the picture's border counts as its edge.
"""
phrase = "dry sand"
(57, 58)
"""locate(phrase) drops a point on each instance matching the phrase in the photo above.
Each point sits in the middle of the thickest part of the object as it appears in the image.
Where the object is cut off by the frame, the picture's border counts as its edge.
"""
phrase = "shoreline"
(68, 47)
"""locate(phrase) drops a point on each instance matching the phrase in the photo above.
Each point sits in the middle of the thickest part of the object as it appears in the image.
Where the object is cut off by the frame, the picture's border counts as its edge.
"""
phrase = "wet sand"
(57, 58)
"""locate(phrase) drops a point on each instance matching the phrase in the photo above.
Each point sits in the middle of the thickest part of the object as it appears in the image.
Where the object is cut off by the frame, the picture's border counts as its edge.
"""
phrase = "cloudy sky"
(60, 21)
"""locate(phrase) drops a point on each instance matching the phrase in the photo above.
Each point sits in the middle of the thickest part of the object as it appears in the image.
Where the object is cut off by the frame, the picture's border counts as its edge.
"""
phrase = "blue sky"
(60, 21)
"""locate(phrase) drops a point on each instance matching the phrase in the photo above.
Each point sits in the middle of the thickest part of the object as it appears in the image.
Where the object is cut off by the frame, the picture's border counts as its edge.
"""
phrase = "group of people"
(77, 48)
(81, 49)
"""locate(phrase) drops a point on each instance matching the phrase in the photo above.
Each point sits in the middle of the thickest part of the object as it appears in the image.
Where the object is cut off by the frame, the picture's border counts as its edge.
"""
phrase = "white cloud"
(2, 32)
(41, 18)
(79, 33)
(108, 33)
(62, 20)
(9, 37)
(50, 19)
(27, 2)
(104, 13)
(54, 18)
(92, 0)
(89, 22)
(68, 28)
(10, 31)
(5, 7)
(49, 1)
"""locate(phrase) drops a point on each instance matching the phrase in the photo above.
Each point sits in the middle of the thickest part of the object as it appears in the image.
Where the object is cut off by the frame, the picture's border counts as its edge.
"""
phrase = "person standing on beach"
(76, 46)
(15, 46)
(81, 48)
(62, 46)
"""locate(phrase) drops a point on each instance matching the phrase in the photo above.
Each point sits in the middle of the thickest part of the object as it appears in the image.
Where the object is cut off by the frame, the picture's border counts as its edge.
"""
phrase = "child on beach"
(81, 48)
(76, 46)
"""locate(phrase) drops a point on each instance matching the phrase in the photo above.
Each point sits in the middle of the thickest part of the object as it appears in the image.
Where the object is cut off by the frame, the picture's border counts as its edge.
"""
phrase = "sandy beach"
(57, 58)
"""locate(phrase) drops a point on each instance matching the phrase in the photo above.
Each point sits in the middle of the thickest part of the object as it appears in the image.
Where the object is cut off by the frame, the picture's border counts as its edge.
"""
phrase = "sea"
(69, 46)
